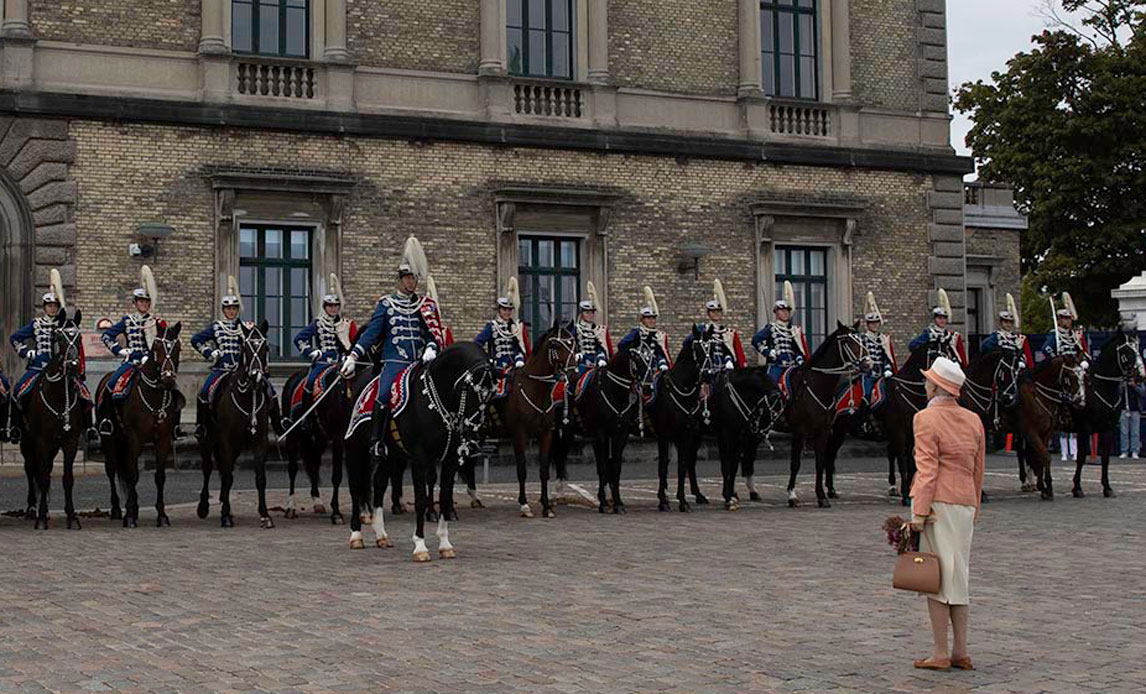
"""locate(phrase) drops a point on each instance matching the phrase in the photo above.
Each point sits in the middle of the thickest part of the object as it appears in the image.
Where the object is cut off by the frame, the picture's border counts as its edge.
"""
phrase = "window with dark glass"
(806, 269)
(975, 327)
(274, 281)
(790, 48)
(540, 37)
(271, 27)
(549, 273)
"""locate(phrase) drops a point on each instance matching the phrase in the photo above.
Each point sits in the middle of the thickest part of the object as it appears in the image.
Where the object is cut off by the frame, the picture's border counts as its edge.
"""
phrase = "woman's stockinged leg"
(940, 614)
(959, 630)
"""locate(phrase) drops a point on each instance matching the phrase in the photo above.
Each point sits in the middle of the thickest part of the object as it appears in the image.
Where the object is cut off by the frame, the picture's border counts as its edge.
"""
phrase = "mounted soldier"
(406, 327)
(1007, 336)
(879, 349)
(33, 343)
(938, 339)
(723, 346)
(221, 344)
(1065, 339)
(326, 342)
(594, 346)
(646, 338)
(782, 343)
(138, 330)
(504, 338)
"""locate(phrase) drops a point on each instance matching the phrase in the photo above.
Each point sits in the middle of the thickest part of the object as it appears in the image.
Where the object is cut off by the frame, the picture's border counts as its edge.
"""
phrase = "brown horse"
(530, 410)
(239, 422)
(55, 418)
(1045, 399)
(324, 427)
(149, 414)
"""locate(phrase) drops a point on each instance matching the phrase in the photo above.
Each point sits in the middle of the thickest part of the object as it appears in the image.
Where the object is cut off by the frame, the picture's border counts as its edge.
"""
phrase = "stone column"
(211, 27)
(335, 50)
(750, 75)
(599, 41)
(16, 20)
(492, 41)
(841, 51)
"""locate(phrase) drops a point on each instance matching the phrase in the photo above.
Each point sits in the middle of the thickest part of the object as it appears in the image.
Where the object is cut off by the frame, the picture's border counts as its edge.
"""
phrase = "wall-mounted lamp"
(154, 231)
(691, 253)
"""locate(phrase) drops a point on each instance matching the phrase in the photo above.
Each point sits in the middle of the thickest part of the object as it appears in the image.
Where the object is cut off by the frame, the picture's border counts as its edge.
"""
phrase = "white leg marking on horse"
(290, 502)
(750, 480)
(559, 488)
(420, 551)
(443, 533)
(316, 504)
(473, 493)
(356, 540)
(379, 524)
(792, 495)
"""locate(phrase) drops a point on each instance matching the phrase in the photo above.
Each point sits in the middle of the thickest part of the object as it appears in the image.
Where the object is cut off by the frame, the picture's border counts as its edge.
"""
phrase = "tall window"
(549, 270)
(806, 269)
(540, 34)
(271, 27)
(975, 323)
(274, 280)
(789, 48)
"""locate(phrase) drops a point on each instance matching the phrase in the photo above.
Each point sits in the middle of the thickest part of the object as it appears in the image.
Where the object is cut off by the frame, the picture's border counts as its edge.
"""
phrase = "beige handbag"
(916, 571)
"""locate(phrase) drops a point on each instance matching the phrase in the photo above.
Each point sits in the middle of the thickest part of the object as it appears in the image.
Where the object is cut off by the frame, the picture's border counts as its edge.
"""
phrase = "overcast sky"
(982, 35)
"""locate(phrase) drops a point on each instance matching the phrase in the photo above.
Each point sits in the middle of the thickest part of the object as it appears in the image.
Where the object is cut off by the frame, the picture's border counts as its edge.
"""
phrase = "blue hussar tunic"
(331, 337)
(1008, 341)
(133, 327)
(882, 362)
(33, 342)
(940, 342)
(399, 329)
(223, 335)
(1068, 343)
(652, 340)
(723, 347)
(781, 345)
(502, 341)
(590, 344)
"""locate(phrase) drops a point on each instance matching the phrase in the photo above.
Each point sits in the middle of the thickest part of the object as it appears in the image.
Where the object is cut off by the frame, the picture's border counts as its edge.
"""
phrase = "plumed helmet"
(414, 260)
(55, 295)
(333, 296)
(719, 300)
(504, 302)
(944, 307)
(871, 310)
(1068, 304)
(231, 297)
(650, 309)
(147, 289)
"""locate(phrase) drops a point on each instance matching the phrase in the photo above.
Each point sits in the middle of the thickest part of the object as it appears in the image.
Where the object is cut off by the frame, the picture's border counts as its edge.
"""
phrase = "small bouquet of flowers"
(898, 533)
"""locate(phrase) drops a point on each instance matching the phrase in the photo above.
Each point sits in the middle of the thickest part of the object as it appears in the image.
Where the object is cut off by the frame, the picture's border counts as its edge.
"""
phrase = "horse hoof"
(664, 506)
(30, 514)
(203, 508)
(549, 512)
(685, 507)
(602, 507)
(337, 519)
(357, 543)
(162, 520)
(421, 557)
(74, 521)
(116, 514)
(755, 496)
(452, 516)
(822, 502)
(1108, 493)
(793, 503)
(227, 521)
(1027, 487)
(383, 543)
(526, 511)
(448, 553)
(1047, 495)
(732, 505)
(319, 509)
(397, 509)
(266, 523)
(476, 503)
(701, 500)
(619, 510)
(892, 491)
(131, 522)
(290, 513)
(41, 524)
(832, 494)
(1077, 492)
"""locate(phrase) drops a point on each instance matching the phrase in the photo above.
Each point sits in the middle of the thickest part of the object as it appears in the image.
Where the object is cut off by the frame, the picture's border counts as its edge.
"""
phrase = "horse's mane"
(823, 348)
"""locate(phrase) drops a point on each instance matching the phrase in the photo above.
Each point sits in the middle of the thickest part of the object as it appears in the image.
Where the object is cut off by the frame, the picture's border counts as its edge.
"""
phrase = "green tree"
(1065, 124)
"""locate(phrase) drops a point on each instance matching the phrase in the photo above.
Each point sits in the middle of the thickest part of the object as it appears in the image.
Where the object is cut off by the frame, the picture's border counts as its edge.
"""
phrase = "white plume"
(57, 286)
(415, 257)
(147, 281)
(650, 299)
(718, 294)
(514, 293)
(1013, 308)
(944, 301)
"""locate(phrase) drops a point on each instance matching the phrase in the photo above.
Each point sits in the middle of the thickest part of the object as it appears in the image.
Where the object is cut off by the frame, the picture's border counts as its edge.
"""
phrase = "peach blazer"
(950, 446)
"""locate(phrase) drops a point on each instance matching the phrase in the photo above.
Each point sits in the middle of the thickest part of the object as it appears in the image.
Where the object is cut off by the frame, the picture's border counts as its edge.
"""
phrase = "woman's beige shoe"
(929, 664)
(963, 663)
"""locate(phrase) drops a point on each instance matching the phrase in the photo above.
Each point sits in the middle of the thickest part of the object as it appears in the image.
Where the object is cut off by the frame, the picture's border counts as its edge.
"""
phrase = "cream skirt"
(948, 534)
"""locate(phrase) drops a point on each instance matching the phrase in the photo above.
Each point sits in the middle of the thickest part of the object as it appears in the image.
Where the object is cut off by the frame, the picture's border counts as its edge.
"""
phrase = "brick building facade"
(659, 142)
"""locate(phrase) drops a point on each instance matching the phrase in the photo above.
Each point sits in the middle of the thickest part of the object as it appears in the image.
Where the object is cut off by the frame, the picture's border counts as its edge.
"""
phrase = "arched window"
(271, 27)
(540, 37)
(789, 48)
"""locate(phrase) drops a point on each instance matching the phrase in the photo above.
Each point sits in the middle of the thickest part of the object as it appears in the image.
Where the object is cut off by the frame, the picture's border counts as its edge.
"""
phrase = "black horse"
(1116, 364)
(674, 416)
(810, 409)
(608, 412)
(437, 428)
(323, 428)
(55, 418)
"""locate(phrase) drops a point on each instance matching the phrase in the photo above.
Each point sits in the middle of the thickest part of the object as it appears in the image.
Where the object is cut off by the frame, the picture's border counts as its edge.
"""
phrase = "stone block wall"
(1003, 244)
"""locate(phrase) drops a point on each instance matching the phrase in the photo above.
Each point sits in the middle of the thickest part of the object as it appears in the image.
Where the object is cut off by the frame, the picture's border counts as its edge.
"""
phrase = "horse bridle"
(252, 343)
(988, 398)
(1124, 372)
(168, 367)
(852, 355)
(770, 403)
(1060, 396)
(457, 422)
(70, 359)
(560, 372)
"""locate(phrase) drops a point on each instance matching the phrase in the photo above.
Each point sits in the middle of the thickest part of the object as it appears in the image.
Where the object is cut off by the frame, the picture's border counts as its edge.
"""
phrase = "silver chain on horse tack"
(457, 421)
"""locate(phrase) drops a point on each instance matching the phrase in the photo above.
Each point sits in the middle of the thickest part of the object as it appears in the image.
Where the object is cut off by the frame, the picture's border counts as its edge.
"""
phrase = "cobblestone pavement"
(767, 599)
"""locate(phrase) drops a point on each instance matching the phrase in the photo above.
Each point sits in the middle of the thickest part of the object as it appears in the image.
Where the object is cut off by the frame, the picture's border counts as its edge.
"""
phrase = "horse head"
(560, 348)
(843, 352)
(253, 353)
(1072, 381)
(165, 353)
(1126, 357)
(67, 344)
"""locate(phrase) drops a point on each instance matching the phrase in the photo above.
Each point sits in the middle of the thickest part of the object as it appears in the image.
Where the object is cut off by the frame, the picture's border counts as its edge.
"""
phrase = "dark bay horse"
(905, 395)
(530, 411)
(1118, 362)
(323, 428)
(1045, 399)
(149, 414)
(438, 427)
(239, 421)
(674, 416)
(608, 412)
(810, 409)
(745, 405)
(55, 419)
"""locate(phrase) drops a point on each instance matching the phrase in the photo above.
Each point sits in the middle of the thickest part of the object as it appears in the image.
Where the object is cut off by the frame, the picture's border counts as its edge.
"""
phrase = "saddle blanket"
(850, 398)
(400, 391)
(122, 385)
(28, 383)
(583, 383)
(323, 381)
(364, 406)
(503, 385)
(296, 395)
(785, 383)
(214, 380)
(649, 395)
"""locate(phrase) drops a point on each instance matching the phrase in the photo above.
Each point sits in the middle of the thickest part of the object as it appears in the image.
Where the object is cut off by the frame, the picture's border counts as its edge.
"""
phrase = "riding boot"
(89, 423)
(278, 422)
(106, 426)
(378, 434)
(15, 422)
(200, 419)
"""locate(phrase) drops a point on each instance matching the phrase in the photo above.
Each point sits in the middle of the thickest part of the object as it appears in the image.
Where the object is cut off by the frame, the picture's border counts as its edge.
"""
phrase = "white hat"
(946, 374)
(504, 302)
(781, 304)
(940, 311)
(649, 310)
(50, 298)
(586, 305)
(713, 305)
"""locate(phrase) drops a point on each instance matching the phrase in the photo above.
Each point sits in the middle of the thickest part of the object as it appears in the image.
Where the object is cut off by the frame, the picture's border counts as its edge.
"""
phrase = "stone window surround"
(983, 273)
(576, 212)
(837, 227)
(590, 42)
(297, 200)
(835, 63)
(327, 29)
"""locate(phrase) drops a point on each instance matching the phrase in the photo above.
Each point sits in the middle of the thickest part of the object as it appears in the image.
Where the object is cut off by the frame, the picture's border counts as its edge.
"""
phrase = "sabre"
(307, 413)
(1054, 326)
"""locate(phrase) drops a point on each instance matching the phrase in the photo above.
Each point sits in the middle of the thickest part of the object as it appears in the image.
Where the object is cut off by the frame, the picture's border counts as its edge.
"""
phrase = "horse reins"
(161, 412)
(71, 335)
(458, 422)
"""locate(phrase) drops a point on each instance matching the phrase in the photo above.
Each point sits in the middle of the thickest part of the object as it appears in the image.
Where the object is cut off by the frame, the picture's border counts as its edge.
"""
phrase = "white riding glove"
(1084, 365)
(602, 363)
(349, 363)
(663, 367)
(887, 373)
(729, 366)
(518, 364)
(315, 354)
(215, 355)
(126, 355)
(429, 354)
(30, 354)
